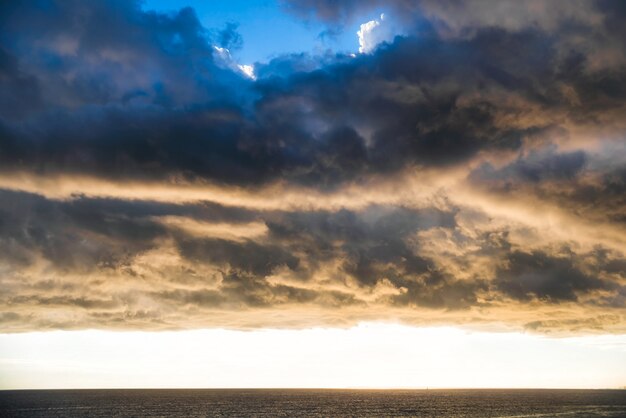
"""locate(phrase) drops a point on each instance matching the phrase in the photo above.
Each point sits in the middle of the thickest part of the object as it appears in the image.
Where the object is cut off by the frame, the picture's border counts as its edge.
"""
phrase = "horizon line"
(439, 388)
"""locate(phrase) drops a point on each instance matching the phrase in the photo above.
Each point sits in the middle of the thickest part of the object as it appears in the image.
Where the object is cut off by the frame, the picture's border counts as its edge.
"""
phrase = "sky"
(261, 173)
(266, 30)
(432, 357)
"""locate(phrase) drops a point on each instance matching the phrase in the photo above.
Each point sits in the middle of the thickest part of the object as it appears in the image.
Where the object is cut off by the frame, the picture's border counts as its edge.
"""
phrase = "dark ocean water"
(313, 403)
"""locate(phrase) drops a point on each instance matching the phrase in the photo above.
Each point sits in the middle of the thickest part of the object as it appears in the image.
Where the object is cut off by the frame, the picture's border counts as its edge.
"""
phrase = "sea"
(312, 403)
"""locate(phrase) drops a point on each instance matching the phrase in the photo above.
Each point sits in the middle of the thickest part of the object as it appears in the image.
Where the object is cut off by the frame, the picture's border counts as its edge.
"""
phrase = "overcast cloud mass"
(468, 167)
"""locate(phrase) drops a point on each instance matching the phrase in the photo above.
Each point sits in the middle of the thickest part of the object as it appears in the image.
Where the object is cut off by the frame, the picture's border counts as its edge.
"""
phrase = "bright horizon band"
(371, 355)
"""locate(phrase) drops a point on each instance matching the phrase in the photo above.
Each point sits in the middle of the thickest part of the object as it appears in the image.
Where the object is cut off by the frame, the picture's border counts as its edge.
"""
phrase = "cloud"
(88, 262)
(537, 275)
(175, 105)
(460, 16)
(366, 43)
(537, 167)
(373, 33)
(469, 168)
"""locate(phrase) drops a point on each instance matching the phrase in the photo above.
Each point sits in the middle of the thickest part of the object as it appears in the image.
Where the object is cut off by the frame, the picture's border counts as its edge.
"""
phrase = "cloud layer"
(470, 170)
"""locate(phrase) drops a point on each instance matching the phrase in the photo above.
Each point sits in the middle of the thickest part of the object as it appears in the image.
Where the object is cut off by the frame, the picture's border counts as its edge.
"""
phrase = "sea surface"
(312, 403)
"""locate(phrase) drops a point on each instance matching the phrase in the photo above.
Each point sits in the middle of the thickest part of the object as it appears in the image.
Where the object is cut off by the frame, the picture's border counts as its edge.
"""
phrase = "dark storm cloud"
(606, 194)
(70, 235)
(83, 51)
(19, 93)
(372, 243)
(536, 167)
(86, 234)
(410, 94)
(537, 275)
(438, 290)
(119, 92)
(462, 16)
(574, 180)
(258, 260)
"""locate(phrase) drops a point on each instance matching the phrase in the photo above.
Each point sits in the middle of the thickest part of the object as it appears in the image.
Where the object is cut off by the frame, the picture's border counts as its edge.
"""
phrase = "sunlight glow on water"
(315, 403)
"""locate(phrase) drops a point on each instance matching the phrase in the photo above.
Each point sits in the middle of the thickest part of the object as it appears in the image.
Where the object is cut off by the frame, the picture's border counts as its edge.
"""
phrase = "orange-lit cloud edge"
(161, 288)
